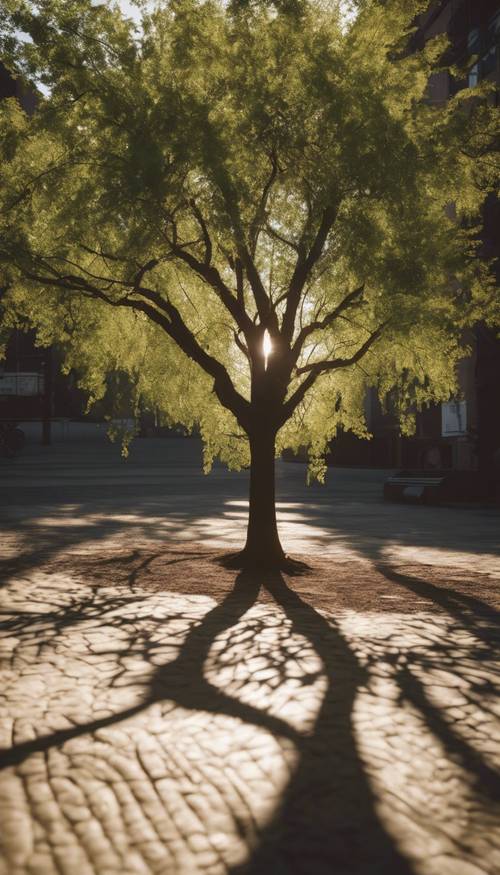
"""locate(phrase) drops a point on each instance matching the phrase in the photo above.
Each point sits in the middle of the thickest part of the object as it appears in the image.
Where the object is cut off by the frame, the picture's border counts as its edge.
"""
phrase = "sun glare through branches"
(267, 347)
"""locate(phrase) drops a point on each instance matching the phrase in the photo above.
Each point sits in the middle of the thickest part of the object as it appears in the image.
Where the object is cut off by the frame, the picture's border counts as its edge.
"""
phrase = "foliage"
(231, 168)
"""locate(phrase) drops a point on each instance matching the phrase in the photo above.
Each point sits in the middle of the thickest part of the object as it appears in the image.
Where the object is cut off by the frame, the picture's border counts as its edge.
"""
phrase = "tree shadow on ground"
(326, 819)
(316, 826)
(162, 495)
(467, 614)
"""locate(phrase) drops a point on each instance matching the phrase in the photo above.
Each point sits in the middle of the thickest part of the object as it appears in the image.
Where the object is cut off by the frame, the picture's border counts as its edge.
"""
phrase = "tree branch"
(224, 388)
(336, 363)
(170, 320)
(240, 290)
(267, 315)
(256, 225)
(212, 277)
(303, 268)
(315, 369)
(242, 346)
(352, 299)
(263, 302)
(204, 230)
(277, 236)
(106, 256)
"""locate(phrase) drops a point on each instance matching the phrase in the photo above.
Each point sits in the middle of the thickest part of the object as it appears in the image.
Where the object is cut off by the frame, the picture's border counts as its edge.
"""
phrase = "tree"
(247, 207)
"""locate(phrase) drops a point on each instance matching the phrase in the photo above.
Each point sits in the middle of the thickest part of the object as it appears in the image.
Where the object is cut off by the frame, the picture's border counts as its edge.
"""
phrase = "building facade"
(32, 387)
(464, 434)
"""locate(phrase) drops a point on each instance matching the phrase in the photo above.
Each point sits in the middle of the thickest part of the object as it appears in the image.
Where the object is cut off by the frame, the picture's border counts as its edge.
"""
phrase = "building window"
(473, 77)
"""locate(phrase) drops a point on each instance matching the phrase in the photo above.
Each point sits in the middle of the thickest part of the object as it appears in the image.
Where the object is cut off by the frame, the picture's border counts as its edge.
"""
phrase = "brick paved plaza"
(162, 714)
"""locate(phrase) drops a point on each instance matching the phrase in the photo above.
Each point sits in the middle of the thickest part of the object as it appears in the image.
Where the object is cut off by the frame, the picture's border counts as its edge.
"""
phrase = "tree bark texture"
(263, 546)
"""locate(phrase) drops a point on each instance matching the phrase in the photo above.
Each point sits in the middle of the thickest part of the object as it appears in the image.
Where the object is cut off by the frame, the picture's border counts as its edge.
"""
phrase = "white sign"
(453, 418)
(19, 383)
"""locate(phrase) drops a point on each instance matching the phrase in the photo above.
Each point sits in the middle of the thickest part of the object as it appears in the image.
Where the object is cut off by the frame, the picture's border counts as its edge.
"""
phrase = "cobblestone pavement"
(169, 732)
(161, 715)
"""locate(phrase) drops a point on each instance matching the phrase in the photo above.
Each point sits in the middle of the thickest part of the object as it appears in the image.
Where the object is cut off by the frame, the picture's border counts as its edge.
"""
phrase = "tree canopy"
(231, 169)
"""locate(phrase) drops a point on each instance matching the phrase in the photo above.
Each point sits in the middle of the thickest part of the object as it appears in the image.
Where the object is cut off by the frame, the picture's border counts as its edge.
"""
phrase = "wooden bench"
(418, 487)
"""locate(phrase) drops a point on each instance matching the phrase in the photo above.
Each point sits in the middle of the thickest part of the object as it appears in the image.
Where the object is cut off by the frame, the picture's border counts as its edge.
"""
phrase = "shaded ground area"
(164, 714)
(80, 494)
(150, 728)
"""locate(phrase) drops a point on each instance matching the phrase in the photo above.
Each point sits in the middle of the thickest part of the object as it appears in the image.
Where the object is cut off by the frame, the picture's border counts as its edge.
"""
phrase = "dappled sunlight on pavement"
(84, 496)
(78, 529)
(442, 557)
(169, 732)
(162, 714)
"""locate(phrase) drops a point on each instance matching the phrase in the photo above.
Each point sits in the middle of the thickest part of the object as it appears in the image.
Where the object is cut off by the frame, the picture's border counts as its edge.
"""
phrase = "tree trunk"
(263, 546)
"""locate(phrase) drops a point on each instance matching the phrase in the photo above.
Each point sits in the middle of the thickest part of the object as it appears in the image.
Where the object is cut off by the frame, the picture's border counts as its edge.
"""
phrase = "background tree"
(246, 207)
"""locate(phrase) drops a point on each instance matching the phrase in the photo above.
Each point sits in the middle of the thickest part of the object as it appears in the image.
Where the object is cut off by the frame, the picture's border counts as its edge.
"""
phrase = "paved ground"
(81, 493)
(161, 714)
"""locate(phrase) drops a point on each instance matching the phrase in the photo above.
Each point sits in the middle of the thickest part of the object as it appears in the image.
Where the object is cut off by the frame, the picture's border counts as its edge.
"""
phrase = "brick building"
(462, 435)
(31, 385)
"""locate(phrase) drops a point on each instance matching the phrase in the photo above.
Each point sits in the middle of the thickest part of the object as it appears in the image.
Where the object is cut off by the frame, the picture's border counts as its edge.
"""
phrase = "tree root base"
(245, 560)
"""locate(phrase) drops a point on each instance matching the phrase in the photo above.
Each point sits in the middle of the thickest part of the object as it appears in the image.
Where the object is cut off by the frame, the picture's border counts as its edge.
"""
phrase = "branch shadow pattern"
(348, 515)
(471, 616)
(316, 717)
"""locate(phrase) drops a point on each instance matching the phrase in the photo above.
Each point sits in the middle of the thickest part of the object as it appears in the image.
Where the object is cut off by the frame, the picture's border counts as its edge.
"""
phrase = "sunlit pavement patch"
(90, 531)
(168, 733)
